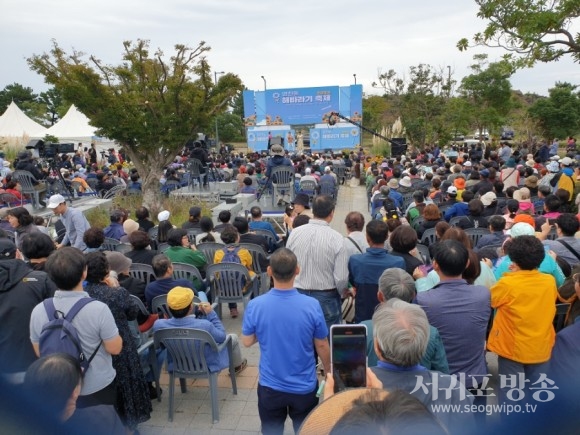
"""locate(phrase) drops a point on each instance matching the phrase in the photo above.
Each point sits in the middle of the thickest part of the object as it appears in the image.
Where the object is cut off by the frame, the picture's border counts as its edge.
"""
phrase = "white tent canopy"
(73, 127)
(14, 123)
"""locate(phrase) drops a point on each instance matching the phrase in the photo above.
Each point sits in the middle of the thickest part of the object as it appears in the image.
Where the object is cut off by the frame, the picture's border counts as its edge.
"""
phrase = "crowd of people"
(432, 299)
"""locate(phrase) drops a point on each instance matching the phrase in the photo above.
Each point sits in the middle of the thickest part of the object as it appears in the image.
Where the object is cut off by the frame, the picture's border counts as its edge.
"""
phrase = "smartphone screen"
(348, 353)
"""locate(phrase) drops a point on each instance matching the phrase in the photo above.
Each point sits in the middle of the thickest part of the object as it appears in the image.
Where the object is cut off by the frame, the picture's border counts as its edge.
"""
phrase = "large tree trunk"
(150, 169)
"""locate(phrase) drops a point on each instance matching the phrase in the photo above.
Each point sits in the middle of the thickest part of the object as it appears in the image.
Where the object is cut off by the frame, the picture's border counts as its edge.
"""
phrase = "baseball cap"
(163, 216)
(179, 298)
(55, 200)
(467, 163)
(7, 249)
(452, 190)
(566, 161)
(488, 198)
(195, 211)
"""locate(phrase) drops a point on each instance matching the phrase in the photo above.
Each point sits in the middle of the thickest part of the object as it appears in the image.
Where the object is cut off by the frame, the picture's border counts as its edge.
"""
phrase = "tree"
(55, 105)
(231, 127)
(151, 105)
(421, 98)
(375, 114)
(530, 30)
(559, 114)
(488, 92)
(23, 97)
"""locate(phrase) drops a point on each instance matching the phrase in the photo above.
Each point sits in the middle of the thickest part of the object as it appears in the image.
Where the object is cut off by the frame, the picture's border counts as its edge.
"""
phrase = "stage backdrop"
(337, 137)
(300, 106)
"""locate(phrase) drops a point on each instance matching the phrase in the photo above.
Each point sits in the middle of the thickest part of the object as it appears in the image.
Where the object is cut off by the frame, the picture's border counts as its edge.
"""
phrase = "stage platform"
(223, 196)
(84, 204)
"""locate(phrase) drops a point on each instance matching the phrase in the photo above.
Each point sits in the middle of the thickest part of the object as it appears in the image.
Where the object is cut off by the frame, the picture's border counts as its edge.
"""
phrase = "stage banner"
(249, 106)
(299, 105)
(337, 137)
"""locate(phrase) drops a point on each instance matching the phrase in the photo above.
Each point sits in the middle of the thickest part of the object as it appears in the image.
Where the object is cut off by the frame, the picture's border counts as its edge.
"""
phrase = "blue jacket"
(114, 231)
(397, 197)
(213, 325)
(364, 271)
(276, 161)
(457, 209)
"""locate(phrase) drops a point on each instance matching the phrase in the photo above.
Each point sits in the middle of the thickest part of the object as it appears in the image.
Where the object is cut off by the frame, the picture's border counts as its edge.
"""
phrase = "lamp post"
(354, 75)
(215, 76)
(264, 78)
(449, 80)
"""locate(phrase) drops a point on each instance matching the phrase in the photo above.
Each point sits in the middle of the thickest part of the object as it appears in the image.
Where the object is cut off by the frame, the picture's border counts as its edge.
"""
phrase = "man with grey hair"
(400, 336)
(309, 177)
(397, 283)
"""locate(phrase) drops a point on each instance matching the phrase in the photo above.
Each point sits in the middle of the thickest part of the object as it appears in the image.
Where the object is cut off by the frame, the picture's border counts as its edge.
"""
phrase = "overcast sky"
(297, 43)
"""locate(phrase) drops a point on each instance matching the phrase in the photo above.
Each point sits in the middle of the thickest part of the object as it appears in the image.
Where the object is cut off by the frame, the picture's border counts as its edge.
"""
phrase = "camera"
(49, 150)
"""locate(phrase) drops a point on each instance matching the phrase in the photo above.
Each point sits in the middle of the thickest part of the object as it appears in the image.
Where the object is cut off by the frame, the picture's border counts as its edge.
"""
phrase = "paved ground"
(238, 413)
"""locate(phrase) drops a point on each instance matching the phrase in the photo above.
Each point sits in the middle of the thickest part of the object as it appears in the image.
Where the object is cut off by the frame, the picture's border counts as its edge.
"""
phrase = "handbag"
(348, 309)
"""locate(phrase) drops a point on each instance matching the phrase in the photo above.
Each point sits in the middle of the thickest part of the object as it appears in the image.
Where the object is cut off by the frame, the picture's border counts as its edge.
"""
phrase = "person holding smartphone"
(289, 326)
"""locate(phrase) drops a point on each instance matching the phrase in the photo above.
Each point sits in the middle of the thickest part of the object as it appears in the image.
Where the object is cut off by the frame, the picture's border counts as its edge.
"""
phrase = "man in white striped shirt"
(322, 258)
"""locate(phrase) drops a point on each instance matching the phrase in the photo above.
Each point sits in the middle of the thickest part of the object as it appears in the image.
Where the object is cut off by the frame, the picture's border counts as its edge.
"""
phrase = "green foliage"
(529, 30)
(45, 108)
(487, 93)
(231, 127)
(559, 114)
(11, 150)
(421, 99)
(55, 104)
(149, 104)
(24, 98)
(381, 150)
(50, 138)
(238, 105)
(98, 217)
(375, 112)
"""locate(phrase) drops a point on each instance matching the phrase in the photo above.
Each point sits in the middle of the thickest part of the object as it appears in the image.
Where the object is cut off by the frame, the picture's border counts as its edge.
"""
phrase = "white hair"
(401, 331)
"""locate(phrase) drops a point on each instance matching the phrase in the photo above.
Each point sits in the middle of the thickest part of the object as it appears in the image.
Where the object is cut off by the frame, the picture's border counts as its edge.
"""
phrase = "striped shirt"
(322, 256)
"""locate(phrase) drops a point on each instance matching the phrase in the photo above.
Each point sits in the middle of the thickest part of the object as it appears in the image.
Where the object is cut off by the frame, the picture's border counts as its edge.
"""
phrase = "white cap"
(452, 190)
(467, 163)
(55, 200)
(163, 216)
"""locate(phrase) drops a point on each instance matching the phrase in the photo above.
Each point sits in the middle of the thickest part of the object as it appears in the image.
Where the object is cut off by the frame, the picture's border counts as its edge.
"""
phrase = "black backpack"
(59, 335)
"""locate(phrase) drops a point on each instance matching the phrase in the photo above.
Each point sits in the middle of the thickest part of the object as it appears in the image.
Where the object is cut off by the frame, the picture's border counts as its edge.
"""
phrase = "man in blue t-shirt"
(288, 382)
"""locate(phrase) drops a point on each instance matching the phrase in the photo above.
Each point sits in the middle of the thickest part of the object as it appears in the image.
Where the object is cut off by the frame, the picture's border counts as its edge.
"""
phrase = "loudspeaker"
(35, 144)
(398, 149)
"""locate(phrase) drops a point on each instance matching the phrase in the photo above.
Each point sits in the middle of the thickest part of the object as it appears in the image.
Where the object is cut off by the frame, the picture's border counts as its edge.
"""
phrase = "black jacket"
(21, 289)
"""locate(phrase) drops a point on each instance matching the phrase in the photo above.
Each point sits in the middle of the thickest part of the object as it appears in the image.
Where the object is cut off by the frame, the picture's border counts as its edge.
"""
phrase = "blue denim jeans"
(330, 304)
